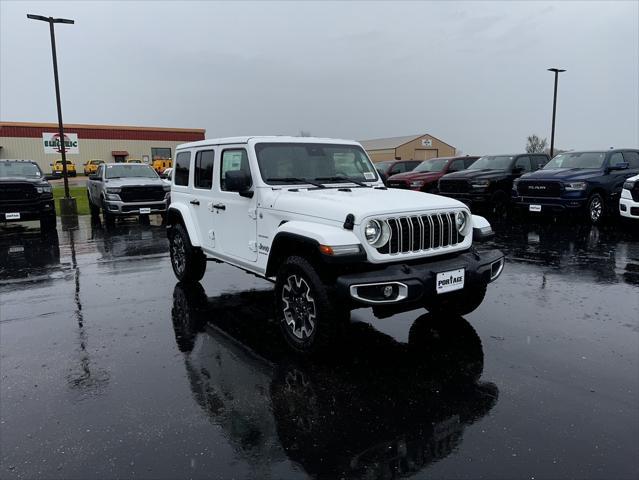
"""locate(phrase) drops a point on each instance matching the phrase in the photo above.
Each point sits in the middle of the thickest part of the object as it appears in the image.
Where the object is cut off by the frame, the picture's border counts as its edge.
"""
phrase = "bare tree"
(534, 144)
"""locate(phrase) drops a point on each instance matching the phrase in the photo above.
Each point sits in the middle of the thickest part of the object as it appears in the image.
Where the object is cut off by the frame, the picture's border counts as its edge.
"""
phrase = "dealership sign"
(51, 143)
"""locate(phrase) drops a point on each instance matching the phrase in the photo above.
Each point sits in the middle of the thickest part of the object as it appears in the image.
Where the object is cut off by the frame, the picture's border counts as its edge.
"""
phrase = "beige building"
(111, 143)
(411, 147)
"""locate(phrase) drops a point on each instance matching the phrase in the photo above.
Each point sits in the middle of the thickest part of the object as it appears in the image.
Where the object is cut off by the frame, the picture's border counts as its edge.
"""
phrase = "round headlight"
(373, 231)
(460, 220)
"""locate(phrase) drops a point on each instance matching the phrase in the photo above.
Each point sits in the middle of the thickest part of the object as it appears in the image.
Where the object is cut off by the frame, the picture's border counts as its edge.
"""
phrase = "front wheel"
(306, 316)
(461, 302)
(596, 209)
(188, 262)
(94, 209)
(48, 222)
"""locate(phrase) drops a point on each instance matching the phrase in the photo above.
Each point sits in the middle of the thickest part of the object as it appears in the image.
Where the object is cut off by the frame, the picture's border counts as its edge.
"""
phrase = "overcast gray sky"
(471, 73)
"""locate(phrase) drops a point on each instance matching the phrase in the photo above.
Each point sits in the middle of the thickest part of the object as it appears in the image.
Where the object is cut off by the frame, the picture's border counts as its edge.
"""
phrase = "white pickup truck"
(313, 216)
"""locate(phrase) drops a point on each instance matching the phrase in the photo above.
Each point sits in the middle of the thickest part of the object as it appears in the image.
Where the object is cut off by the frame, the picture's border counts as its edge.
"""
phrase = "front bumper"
(629, 208)
(410, 283)
(469, 199)
(550, 204)
(27, 210)
(118, 207)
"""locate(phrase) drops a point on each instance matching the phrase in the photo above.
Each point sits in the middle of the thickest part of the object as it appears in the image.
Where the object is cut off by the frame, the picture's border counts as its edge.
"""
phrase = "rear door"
(203, 197)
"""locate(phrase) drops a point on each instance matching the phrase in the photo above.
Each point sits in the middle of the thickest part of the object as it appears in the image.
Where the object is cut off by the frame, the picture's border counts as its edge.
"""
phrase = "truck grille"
(398, 184)
(635, 192)
(17, 191)
(142, 194)
(421, 232)
(533, 188)
(454, 186)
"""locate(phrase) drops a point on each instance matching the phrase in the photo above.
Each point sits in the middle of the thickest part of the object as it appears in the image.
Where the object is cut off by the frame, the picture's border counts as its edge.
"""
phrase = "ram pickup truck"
(629, 202)
(488, 182)
(312, 216)
(121, 189)
(25, 194)
(587, 183)
(425, 176)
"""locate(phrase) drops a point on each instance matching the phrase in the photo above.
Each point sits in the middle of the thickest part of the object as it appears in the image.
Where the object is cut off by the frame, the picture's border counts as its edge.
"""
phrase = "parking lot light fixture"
(554, 110)
(69, 206)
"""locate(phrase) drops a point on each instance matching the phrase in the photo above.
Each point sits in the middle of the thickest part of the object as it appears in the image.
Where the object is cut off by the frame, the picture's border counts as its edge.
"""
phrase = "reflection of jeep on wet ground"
(313, 216)
(373, 408)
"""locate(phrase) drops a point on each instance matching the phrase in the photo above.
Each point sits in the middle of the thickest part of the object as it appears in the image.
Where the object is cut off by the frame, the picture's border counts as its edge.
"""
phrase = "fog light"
(388, 291)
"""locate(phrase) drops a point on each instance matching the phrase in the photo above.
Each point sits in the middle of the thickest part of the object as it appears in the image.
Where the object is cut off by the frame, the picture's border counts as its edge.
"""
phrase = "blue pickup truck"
(585, 182)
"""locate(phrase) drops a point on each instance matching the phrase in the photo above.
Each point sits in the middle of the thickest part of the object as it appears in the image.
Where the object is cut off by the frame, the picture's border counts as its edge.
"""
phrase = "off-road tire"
(188, 262)
(596, 209)
(307, 317)
(461, 302)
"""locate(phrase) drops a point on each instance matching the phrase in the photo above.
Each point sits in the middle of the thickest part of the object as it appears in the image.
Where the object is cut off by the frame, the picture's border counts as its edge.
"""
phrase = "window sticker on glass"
(369, 175)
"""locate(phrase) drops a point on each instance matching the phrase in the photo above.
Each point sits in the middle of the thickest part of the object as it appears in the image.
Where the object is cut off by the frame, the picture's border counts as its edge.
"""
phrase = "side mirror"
(238, 181)
(518, 170)
(619, 166)
(94, 177)
(51, 164)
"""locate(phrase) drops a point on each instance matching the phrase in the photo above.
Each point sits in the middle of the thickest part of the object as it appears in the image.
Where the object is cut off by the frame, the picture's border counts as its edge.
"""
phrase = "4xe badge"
(450, 281)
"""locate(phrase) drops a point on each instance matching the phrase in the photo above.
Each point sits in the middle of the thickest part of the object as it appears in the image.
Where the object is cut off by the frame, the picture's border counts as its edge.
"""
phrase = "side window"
(233, 160)
(181, 171)
(616, 158)
(397, 168)
(203, 169)
(538, 162)
(468, 162)
(632, 158)
(523, 163)
(456, 166)
(100, 171)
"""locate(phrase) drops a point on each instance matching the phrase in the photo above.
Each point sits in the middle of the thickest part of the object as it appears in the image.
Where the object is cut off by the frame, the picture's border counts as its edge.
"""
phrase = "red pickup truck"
(425, 176)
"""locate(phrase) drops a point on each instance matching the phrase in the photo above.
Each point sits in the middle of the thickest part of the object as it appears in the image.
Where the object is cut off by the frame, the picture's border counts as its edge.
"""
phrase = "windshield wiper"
(341, 178)
(295, 180)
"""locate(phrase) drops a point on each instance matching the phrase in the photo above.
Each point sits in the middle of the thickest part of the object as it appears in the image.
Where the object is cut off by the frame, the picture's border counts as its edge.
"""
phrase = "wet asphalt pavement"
(111, 369)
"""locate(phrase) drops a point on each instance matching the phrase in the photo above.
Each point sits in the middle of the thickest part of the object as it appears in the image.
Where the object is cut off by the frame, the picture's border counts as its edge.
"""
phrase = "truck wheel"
(95, 210)
(306, 316)
(188, 262)
(596, 209)
(461, 303)
(48, 222)
(499, 203)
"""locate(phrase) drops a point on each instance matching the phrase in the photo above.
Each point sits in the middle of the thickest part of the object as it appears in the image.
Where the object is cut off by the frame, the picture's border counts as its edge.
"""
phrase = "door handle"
(195, 202)
(219, 206)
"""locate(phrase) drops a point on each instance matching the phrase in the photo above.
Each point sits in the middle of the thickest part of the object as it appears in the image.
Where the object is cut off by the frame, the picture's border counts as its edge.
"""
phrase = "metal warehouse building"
(411, 147)
(111, 143)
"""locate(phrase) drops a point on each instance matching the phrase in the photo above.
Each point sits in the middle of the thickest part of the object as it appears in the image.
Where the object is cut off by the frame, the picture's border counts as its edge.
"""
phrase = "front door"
(236, 216)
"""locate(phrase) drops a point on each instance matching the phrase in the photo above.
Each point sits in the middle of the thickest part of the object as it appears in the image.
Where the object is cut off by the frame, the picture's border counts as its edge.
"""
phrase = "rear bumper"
(412, 283)
(27, 211)
(550, 205)
(133, 208)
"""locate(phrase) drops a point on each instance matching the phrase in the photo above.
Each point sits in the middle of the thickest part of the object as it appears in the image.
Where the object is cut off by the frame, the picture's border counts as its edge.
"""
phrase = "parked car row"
(594, 184)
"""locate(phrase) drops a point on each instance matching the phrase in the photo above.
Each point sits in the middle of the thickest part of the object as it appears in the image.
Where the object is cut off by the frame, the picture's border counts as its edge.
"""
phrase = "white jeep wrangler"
(313, 216)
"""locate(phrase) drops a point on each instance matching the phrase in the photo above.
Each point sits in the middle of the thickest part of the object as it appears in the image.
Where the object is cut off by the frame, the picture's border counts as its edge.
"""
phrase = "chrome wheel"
(596, 209)
(178, 254)
(298, 307)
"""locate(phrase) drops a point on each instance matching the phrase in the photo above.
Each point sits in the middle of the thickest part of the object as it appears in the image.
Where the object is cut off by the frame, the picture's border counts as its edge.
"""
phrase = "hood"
(567, 174)
(483, 174)
(412, 176)
(33, 181)
(333, 204)
(133, 181)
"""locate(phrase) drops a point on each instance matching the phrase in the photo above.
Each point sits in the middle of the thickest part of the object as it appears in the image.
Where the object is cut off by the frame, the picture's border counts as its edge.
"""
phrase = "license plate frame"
(450, 280)
(12, 216)
(145, 211)
(534, 208)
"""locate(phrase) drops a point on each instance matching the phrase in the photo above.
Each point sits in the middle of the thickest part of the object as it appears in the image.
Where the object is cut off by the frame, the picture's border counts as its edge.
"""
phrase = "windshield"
(577, 160)
(19, 169)
(497, 162)
(435, 165)
(95, 162)
(130, 170)
(298, 162)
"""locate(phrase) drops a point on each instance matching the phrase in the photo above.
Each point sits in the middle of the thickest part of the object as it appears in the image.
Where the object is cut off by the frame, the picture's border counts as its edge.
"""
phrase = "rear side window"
(203, 169)
(182, 166)
(632, 158)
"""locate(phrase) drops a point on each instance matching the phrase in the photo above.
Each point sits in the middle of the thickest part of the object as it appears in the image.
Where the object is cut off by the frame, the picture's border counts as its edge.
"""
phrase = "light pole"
(554, 110)
(67, 205)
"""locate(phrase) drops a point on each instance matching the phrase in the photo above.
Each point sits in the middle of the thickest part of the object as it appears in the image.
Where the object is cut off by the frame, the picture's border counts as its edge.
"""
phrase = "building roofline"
(100, 127)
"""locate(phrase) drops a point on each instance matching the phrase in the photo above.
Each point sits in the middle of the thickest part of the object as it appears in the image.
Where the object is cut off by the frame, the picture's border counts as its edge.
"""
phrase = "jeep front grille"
(421, 232)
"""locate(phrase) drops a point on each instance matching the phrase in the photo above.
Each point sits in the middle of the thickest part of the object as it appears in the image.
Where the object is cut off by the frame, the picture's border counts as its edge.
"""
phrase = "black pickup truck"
(488, 182)
(25, 194)
(584, 182)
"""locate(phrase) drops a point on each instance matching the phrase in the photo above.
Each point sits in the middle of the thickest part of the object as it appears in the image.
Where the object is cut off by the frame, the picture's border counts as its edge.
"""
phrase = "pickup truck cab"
(122, 189)
(588, 182)
(312, 216)
(488, 182)
(629, 202)
(425, 176)
(25, 194)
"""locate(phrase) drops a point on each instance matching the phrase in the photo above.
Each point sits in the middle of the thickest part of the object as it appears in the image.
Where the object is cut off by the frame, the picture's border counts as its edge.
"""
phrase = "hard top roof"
(272, 139)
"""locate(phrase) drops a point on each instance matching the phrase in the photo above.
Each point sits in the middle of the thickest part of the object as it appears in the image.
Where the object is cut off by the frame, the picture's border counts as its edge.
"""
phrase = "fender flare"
(178, 213)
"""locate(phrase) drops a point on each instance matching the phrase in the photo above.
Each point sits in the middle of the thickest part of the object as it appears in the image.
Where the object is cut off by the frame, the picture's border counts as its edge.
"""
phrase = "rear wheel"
(596, 209)
(188, 262)
(461, 302)
(306, 316)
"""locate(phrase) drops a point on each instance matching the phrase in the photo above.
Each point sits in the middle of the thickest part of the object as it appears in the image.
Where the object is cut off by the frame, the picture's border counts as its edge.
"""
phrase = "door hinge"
(253, 246)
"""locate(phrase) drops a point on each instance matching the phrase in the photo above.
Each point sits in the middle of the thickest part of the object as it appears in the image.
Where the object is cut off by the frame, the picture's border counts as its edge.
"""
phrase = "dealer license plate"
(12, 216)
(534, 208)
(144, 211)
(450, 281)
(16, 249)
